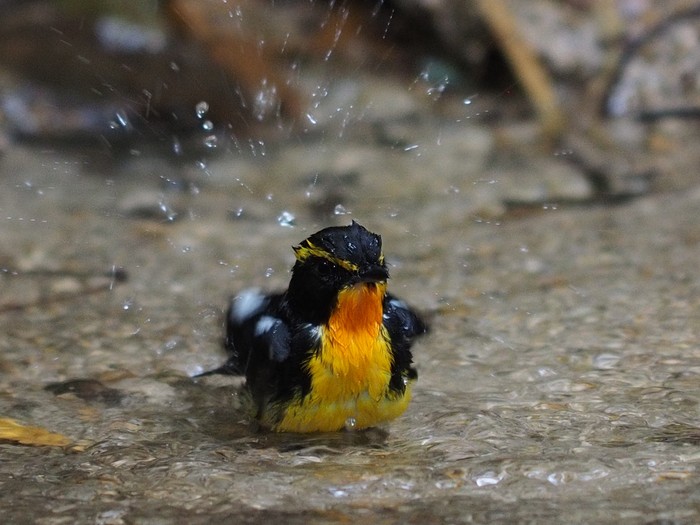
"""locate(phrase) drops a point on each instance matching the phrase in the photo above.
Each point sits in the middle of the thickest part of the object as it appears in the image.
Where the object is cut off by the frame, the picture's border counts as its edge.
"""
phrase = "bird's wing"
(401, 321)
(403, 326)
(254, 331)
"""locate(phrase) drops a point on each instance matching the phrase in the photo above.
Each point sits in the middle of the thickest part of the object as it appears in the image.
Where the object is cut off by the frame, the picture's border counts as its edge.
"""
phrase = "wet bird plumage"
(334, 349)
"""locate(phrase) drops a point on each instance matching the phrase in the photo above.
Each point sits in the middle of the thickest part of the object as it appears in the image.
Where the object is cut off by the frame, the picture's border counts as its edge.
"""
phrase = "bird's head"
(332, 260)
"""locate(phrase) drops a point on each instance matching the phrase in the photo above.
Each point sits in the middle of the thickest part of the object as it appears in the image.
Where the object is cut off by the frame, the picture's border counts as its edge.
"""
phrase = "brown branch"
(526, 66)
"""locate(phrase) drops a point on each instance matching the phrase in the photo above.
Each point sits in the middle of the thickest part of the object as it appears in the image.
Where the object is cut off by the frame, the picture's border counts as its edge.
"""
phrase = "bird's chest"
(354, 357)
(350, 376)
(351, 363)
(350, 369)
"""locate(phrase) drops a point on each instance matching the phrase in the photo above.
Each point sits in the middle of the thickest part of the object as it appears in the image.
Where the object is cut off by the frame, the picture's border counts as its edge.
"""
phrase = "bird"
(333, 351)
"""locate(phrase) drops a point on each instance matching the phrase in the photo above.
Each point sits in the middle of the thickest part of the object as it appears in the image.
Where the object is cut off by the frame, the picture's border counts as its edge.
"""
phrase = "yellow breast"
(350, 374)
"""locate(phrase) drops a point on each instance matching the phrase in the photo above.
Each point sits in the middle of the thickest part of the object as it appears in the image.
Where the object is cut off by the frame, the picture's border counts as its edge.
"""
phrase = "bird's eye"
(325, 267)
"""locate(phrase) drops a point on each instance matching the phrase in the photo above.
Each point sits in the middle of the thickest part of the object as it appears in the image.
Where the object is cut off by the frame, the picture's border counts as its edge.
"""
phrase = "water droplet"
(286, 219)
(606, 361)
(556, 478)
(257, 147)
(201, 109)
(169, 213)
(266, 101)
(563, 152)
(545, 371)
(207, 125)
(311, 119)
(488, 478)
(211, 141)
(123, 119)
(340, 210)
(350, 423)
(269, 272)
(177, 146)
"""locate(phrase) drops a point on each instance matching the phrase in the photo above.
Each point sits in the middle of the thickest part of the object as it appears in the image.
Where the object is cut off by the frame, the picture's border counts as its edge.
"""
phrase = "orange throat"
(355, 351)
(359, 309)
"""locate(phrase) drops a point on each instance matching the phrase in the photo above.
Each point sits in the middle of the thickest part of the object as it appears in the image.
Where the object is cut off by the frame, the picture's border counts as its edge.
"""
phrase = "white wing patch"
(265, 324)
(398, 303)
(248, 303)
(275, 335)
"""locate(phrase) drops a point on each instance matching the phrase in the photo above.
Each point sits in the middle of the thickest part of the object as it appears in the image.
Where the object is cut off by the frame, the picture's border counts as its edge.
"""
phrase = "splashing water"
(201, 109)
(266, 101)
(286, 219)
(340, 210)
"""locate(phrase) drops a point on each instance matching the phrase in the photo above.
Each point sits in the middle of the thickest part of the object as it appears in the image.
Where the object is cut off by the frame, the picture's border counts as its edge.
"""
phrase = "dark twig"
(630, 51)
(652, 115)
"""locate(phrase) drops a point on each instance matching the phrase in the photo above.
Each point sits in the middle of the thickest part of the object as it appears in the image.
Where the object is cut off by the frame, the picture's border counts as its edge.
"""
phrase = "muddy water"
(561, 381)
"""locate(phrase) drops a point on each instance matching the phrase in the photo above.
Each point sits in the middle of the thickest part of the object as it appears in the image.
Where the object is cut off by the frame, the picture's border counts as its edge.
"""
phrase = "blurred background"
(202, 78)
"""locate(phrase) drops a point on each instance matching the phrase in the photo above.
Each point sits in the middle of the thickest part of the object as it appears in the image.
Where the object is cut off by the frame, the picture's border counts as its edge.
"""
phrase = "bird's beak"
(373, 274)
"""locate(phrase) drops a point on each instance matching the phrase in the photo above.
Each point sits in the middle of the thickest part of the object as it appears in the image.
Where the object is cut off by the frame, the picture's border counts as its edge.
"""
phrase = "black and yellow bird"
(331, 352)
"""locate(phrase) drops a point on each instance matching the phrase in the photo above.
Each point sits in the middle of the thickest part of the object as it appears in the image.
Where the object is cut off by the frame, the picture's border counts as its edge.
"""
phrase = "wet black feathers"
(353, 243)
(269, 337)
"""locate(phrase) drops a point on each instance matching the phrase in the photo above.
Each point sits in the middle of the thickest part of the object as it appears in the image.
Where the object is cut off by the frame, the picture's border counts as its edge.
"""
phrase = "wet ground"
(561, 381)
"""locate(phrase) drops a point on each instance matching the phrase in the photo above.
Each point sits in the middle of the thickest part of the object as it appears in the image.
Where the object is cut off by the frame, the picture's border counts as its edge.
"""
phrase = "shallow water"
(560, 382)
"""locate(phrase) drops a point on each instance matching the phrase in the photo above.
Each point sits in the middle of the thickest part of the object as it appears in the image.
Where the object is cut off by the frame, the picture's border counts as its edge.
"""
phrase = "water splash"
(266, 101)
(211, 141)
(488, 478)
(177, 146)
(168, 211)
(340, 210)
(286, 219)
(121, 121)
(201, 109)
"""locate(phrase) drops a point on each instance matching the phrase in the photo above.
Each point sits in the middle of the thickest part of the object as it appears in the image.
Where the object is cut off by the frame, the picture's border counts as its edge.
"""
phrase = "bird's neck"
(354, 351)
(358, 310)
